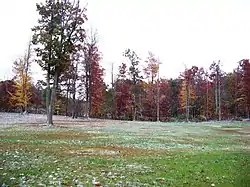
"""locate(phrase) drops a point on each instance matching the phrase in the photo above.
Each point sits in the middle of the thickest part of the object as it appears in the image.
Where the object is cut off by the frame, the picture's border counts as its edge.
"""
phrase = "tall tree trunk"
(88, 81)
(27, 63)
(53, 97)
(217, 92)
(187, 101)
(135, 111)
(248, 112)
(67, 97)
(216, 99)
(134, 108)
(235, 96)
(87, 96)
(207, 100)
(87, 109)
(113, 93)
(48, 96)
(74, 92)
(219, 95)
(74, 107)
(158, 101)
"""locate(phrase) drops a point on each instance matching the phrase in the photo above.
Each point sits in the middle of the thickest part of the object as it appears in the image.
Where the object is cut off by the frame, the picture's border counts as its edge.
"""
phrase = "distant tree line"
(195, 95)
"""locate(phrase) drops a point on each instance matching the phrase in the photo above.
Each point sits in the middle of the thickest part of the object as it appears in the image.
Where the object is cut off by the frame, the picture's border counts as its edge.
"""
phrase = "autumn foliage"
(97, 84)
(123, 95)
(136, 92)
(244, 87)
(22, 85)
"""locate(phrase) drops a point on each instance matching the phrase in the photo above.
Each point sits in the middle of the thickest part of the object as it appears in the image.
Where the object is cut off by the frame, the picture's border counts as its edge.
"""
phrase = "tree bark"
(218, 93)
(207, 100)
(219, 104)
(187, 101)
(113, 93)
(236, 86)
(216, 99)
(87, 81)
(48, 96)
(87, 97)
(67, 98)
(52, 98)
(158, 102)
(248, 113)
(133, 107)
(74, 92)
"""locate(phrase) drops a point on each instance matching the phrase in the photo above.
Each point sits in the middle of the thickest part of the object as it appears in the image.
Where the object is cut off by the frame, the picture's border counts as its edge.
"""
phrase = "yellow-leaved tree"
(186, 97)
(22, 82)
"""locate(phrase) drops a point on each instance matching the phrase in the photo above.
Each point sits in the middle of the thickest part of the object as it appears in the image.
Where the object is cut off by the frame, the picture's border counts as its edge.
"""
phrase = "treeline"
(74, 86)
(197, 94)
(139, 94)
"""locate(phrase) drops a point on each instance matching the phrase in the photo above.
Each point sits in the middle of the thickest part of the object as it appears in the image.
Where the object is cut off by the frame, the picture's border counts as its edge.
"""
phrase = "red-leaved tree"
(123, 96)
(97, 84)
(245, 85)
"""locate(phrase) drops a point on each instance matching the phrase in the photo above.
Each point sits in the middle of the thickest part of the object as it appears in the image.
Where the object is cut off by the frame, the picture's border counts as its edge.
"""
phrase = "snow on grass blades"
(120, 153)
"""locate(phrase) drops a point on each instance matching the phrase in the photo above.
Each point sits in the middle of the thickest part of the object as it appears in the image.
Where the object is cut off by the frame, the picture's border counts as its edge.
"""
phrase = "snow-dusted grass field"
(120, 153)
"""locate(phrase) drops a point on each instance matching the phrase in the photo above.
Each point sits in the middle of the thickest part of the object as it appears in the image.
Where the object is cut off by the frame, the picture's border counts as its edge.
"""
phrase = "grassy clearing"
(126, 154)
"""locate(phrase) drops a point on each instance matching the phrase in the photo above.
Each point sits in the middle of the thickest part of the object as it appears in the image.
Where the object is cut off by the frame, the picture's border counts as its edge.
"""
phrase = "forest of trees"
(74, 79)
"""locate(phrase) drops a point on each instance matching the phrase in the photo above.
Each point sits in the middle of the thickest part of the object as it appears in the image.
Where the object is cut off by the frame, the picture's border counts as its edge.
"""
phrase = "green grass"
(127, 154)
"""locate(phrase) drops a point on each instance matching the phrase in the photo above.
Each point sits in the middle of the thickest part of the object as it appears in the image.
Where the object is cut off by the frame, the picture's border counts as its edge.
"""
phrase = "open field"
(121, 153)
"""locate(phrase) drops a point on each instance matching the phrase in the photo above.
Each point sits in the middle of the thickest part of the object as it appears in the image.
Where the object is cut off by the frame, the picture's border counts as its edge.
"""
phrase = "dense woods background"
(201, 95)
(74, 78)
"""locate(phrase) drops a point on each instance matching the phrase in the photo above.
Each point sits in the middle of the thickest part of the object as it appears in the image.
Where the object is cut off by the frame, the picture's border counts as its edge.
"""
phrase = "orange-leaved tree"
(187, 93)
(187, 97)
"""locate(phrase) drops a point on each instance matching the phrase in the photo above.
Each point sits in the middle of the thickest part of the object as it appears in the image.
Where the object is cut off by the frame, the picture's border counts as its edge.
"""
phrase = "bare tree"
(88, 53)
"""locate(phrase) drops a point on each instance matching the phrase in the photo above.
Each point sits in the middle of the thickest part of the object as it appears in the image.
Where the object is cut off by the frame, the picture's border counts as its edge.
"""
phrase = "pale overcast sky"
(191, 32)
